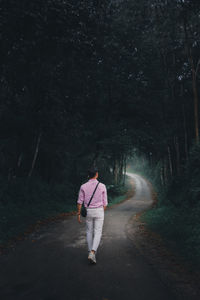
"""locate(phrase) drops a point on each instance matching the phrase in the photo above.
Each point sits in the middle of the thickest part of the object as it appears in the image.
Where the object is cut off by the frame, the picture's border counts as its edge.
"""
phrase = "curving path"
(55, 266)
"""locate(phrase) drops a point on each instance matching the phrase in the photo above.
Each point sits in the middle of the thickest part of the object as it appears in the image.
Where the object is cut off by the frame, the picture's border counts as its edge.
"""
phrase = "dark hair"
(92, 172)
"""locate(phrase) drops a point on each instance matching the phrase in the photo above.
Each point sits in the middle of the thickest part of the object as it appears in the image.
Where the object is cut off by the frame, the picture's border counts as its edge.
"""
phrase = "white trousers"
(94, 226)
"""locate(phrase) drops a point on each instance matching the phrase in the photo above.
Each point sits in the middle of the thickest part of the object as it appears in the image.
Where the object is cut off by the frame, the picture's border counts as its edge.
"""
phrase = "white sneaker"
(92, 258)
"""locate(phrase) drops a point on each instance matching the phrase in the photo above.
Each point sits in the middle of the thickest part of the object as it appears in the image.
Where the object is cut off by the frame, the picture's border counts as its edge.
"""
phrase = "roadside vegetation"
(176, 213)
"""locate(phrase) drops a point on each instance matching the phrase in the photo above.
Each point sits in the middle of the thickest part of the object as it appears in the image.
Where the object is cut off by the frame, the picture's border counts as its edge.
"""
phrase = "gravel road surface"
(52, 263)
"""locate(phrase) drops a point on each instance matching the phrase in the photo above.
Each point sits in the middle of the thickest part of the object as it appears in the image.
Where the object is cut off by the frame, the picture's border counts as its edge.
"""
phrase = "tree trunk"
(176, 144)
(161, 175)
(165, 173)
(121, 169)
(35, 154)
(194, 85)
(124, 170)
(170, 161)
(19, 161)
(116, 173)
(194, 78)
(185, 134)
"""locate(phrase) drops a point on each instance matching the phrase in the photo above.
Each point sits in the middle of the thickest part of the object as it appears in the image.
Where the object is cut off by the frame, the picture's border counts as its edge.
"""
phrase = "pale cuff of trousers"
(94, 226)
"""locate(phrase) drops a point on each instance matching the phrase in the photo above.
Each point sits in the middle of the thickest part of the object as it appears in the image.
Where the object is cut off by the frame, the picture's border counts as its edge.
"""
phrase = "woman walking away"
(93, 195)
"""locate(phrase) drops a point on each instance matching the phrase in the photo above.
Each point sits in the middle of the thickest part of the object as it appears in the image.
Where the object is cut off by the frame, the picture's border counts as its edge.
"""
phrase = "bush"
(180, 229)
(23, 202)
(177, 214)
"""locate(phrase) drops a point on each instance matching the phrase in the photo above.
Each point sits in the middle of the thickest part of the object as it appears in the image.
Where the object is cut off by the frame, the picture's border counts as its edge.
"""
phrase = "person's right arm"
(81, 198)
(79, 212)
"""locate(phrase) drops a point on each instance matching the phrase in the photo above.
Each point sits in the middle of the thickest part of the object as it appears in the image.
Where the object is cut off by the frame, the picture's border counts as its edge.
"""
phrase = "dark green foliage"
(180, 229)
(184, 190)
(22, 203)
(93, 80)
(176, 216)
(192, 175)
(55, 93)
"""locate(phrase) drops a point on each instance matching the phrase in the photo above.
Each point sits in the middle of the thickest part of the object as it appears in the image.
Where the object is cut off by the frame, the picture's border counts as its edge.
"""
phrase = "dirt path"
(55, 265)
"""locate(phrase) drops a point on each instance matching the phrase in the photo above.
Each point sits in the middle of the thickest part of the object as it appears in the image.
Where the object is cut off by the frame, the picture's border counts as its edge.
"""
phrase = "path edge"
(172, 269)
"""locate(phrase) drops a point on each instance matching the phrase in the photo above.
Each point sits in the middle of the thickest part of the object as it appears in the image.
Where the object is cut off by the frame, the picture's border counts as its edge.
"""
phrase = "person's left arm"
(105, 198)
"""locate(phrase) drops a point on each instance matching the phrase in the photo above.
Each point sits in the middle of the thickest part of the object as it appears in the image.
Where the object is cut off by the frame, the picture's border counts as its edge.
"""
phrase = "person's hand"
(79, 218)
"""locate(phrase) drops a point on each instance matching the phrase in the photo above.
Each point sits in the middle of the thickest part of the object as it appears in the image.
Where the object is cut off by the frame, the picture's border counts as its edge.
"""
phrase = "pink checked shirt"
(86, 191)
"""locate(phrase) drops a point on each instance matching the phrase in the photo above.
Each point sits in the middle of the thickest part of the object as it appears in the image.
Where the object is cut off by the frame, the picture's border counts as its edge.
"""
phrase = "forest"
(110, 83)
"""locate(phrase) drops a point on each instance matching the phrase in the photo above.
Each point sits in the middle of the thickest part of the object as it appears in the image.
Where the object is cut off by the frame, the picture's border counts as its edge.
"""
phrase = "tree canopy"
(88, 82)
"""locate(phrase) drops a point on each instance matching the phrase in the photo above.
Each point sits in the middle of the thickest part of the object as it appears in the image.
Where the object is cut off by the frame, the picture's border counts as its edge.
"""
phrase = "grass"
(23, 203)
(179, 228)
(177, 212)
(119, 194)
(17, 218)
